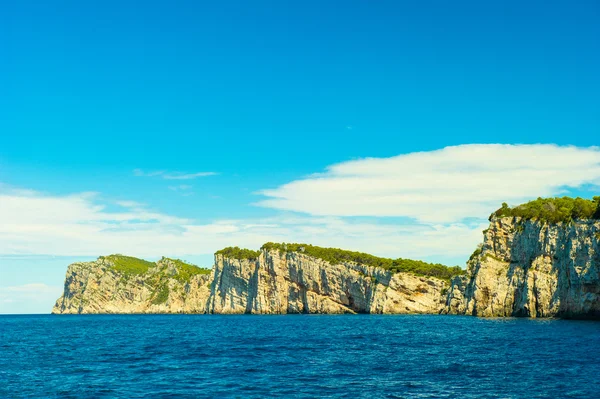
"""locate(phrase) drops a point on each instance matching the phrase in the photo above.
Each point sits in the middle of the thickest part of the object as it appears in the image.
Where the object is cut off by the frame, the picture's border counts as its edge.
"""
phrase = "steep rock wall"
(533, 269)
(274, 283)
(292, 282)
(96, 287)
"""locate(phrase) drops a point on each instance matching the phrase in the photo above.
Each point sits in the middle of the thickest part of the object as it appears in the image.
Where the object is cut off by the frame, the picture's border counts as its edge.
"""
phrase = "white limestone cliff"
(292, 282)
(531, 268)
(274, 283)
(96, 287)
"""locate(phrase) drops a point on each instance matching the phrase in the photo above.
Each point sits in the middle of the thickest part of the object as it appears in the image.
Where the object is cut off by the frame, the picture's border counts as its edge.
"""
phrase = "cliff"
(121, 284)
(539, 259)
(272, 281)
(543, 263)
(293, 282)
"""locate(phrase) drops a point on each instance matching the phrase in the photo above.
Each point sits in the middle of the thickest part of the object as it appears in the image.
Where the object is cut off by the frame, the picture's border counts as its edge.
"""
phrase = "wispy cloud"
(33, 288)
(443, 186)
(186, 176)
(140, 172)
(83, 225)
(172, 175)
(130, 204)
(28, 298)
(181, 187)
(445, 194)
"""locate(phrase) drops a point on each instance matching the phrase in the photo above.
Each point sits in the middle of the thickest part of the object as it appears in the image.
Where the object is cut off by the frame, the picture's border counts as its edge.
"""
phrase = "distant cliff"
(122, 284)
(540, 259)
(280, 278)
(280, 281)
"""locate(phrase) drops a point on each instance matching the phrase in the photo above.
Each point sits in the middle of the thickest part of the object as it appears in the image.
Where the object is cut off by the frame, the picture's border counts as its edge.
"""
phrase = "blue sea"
(302, 356)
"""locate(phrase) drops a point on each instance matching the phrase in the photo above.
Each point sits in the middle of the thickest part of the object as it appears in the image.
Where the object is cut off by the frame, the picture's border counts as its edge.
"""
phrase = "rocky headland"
(280, 278)
(540, 259)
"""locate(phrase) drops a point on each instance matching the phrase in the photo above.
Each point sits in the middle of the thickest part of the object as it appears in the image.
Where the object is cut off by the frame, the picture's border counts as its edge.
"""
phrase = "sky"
(178, 128)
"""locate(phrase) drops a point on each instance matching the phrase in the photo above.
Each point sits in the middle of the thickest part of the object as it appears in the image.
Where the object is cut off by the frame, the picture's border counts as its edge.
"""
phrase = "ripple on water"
(184, 356)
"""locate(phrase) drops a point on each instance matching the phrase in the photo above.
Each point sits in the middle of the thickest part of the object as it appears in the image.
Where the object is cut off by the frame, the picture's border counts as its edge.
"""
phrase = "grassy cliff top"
(336, 256)
(553, 210)
(186, 270)
(129, 264)
(238, 253)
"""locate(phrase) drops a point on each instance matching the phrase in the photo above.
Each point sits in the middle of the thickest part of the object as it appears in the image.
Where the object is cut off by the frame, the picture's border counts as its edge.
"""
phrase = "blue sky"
(127, 100)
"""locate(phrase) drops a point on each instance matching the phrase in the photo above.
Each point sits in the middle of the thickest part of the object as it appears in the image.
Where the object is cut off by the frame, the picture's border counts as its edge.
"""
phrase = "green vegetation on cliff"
(128, 264)
(553, 210)
(336, 255)
(186, 270)
(161, 295)
(476, 253)
(238, 253)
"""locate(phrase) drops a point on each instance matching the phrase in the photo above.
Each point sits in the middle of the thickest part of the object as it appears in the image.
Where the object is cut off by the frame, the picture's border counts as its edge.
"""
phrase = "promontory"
(539, 259)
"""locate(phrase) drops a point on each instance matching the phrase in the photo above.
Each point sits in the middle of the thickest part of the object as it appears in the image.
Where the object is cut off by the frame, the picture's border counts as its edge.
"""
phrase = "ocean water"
(302, 356)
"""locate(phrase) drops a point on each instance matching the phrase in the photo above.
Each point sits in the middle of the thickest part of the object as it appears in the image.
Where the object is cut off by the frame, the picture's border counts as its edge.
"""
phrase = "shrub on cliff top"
(553, 210)
(238, 253)
(331, 255)
(336, 255)
(128, 264)
(186, 270)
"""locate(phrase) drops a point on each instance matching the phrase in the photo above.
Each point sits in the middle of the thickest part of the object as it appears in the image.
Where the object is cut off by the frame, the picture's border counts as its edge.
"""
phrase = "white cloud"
(186, 176)
(80, 225)
(442, 186)
(28, 298)
(441, 189)
(129, 204)
(181, 187)
(34, 288)
(172, 175)
(141, 173)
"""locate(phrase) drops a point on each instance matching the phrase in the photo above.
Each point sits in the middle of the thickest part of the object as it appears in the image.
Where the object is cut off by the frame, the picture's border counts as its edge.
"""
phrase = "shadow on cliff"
(252, 289)
(577, 292)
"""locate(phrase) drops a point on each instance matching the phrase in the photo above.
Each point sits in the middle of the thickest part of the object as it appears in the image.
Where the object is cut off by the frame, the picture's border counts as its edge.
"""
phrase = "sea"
(297, 356)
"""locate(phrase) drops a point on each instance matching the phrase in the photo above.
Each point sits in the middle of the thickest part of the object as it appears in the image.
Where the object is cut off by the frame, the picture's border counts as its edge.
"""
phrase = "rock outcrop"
(102, 287)
(292, 282)
(532, 268)
(275, 282)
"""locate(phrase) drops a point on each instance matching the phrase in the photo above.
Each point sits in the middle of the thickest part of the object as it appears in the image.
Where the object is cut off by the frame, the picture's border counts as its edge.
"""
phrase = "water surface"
(367, 356)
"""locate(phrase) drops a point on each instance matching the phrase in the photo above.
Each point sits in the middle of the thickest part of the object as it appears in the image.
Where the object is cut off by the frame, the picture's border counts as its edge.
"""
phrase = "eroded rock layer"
(275, 282)
(292, 282)
(524, 267)
(532, 268)
(100, 287)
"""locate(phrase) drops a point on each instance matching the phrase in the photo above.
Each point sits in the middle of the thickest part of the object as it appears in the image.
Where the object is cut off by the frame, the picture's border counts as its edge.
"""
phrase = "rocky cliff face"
(100, 287)
(274, 283)
(525, 267)
(292, 282)
(533, 269)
